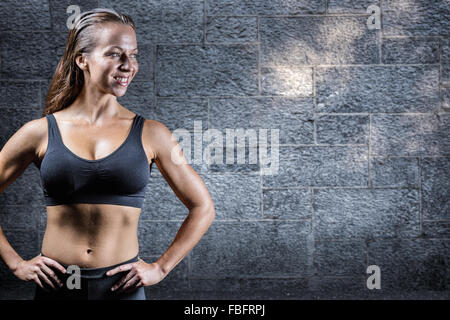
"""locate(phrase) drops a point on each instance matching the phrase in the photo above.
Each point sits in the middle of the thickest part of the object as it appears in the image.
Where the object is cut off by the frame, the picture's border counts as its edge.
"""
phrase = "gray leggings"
(94, 285)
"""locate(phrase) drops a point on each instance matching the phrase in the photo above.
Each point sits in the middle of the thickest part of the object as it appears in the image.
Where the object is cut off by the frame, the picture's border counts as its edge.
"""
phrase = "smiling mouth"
(123, 81)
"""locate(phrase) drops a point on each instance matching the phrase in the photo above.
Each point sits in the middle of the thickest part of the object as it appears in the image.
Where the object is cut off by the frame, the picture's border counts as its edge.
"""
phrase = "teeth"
(121, 79)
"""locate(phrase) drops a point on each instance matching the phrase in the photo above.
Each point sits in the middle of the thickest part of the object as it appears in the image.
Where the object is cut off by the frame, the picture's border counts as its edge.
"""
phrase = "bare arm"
(17, 154)
(189, 188)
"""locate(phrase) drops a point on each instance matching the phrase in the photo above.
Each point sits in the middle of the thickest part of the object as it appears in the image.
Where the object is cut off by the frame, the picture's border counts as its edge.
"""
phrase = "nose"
(126, 63)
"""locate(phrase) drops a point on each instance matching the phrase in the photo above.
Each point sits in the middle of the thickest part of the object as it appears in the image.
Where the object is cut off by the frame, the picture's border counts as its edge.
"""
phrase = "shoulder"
(155, 127)
(30, 136)
(38, 134)
(157, 134)
(35, 129)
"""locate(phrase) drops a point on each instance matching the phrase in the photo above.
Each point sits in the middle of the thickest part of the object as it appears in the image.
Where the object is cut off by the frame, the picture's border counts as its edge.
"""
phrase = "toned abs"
(90, 235)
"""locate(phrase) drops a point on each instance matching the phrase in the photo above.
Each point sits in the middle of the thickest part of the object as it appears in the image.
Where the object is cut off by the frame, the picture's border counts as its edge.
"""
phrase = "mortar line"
(411, 36)
(314, 105)
(50, 12)
(261, 193)
(234, 220)
(204, 23)
(419, 160)
(312, 230)
(40, 97)
(259, 55)
(347, 65)
(441, 40)
(380, 34)
(155, 100)
(305, 15)
(208, 108)
(270, 66)
(261, 184)
(366, 248)
(369, 155)
(344, 187)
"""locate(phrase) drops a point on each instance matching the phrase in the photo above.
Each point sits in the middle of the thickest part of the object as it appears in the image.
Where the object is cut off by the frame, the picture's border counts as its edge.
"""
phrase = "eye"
(114, 53)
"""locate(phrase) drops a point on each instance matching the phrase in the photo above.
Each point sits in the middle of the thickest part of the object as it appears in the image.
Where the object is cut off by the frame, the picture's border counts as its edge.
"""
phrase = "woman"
(94, 156)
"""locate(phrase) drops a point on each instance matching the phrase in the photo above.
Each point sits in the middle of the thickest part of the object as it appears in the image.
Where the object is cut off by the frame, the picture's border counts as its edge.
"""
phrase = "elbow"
(211, 211)
(204, 212)
(208, 212)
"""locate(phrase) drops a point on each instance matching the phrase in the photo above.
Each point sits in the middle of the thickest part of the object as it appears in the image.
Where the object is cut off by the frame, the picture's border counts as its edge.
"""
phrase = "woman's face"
(112, 64)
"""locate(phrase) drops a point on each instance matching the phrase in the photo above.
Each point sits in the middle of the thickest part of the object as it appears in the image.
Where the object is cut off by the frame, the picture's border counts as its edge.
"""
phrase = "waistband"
(97, 272)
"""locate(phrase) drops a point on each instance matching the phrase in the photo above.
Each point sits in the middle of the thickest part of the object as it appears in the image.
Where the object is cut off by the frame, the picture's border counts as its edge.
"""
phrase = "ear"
(80, 60)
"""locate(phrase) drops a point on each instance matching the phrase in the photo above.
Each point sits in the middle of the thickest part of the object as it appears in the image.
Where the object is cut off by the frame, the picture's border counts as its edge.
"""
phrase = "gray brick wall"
(364, 147)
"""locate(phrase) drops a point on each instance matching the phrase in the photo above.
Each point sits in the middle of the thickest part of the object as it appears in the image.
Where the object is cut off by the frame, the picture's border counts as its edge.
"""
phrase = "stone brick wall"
(364, 171)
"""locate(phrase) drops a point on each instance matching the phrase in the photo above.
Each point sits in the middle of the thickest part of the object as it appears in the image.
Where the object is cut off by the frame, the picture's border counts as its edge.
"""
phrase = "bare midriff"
(91, 235)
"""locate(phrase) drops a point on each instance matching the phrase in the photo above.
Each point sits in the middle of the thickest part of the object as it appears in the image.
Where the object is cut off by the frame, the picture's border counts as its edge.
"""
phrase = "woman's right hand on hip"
(37, 269)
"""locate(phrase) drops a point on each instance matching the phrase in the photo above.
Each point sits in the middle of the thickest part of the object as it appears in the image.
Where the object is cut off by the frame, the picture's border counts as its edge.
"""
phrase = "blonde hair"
(68, 79)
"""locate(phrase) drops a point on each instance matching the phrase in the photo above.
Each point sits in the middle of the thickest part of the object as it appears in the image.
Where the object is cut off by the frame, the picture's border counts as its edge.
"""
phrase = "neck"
(92, 105)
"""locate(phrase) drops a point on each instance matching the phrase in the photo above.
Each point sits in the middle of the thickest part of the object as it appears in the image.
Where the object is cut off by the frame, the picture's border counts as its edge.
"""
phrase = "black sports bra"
(119, 178)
